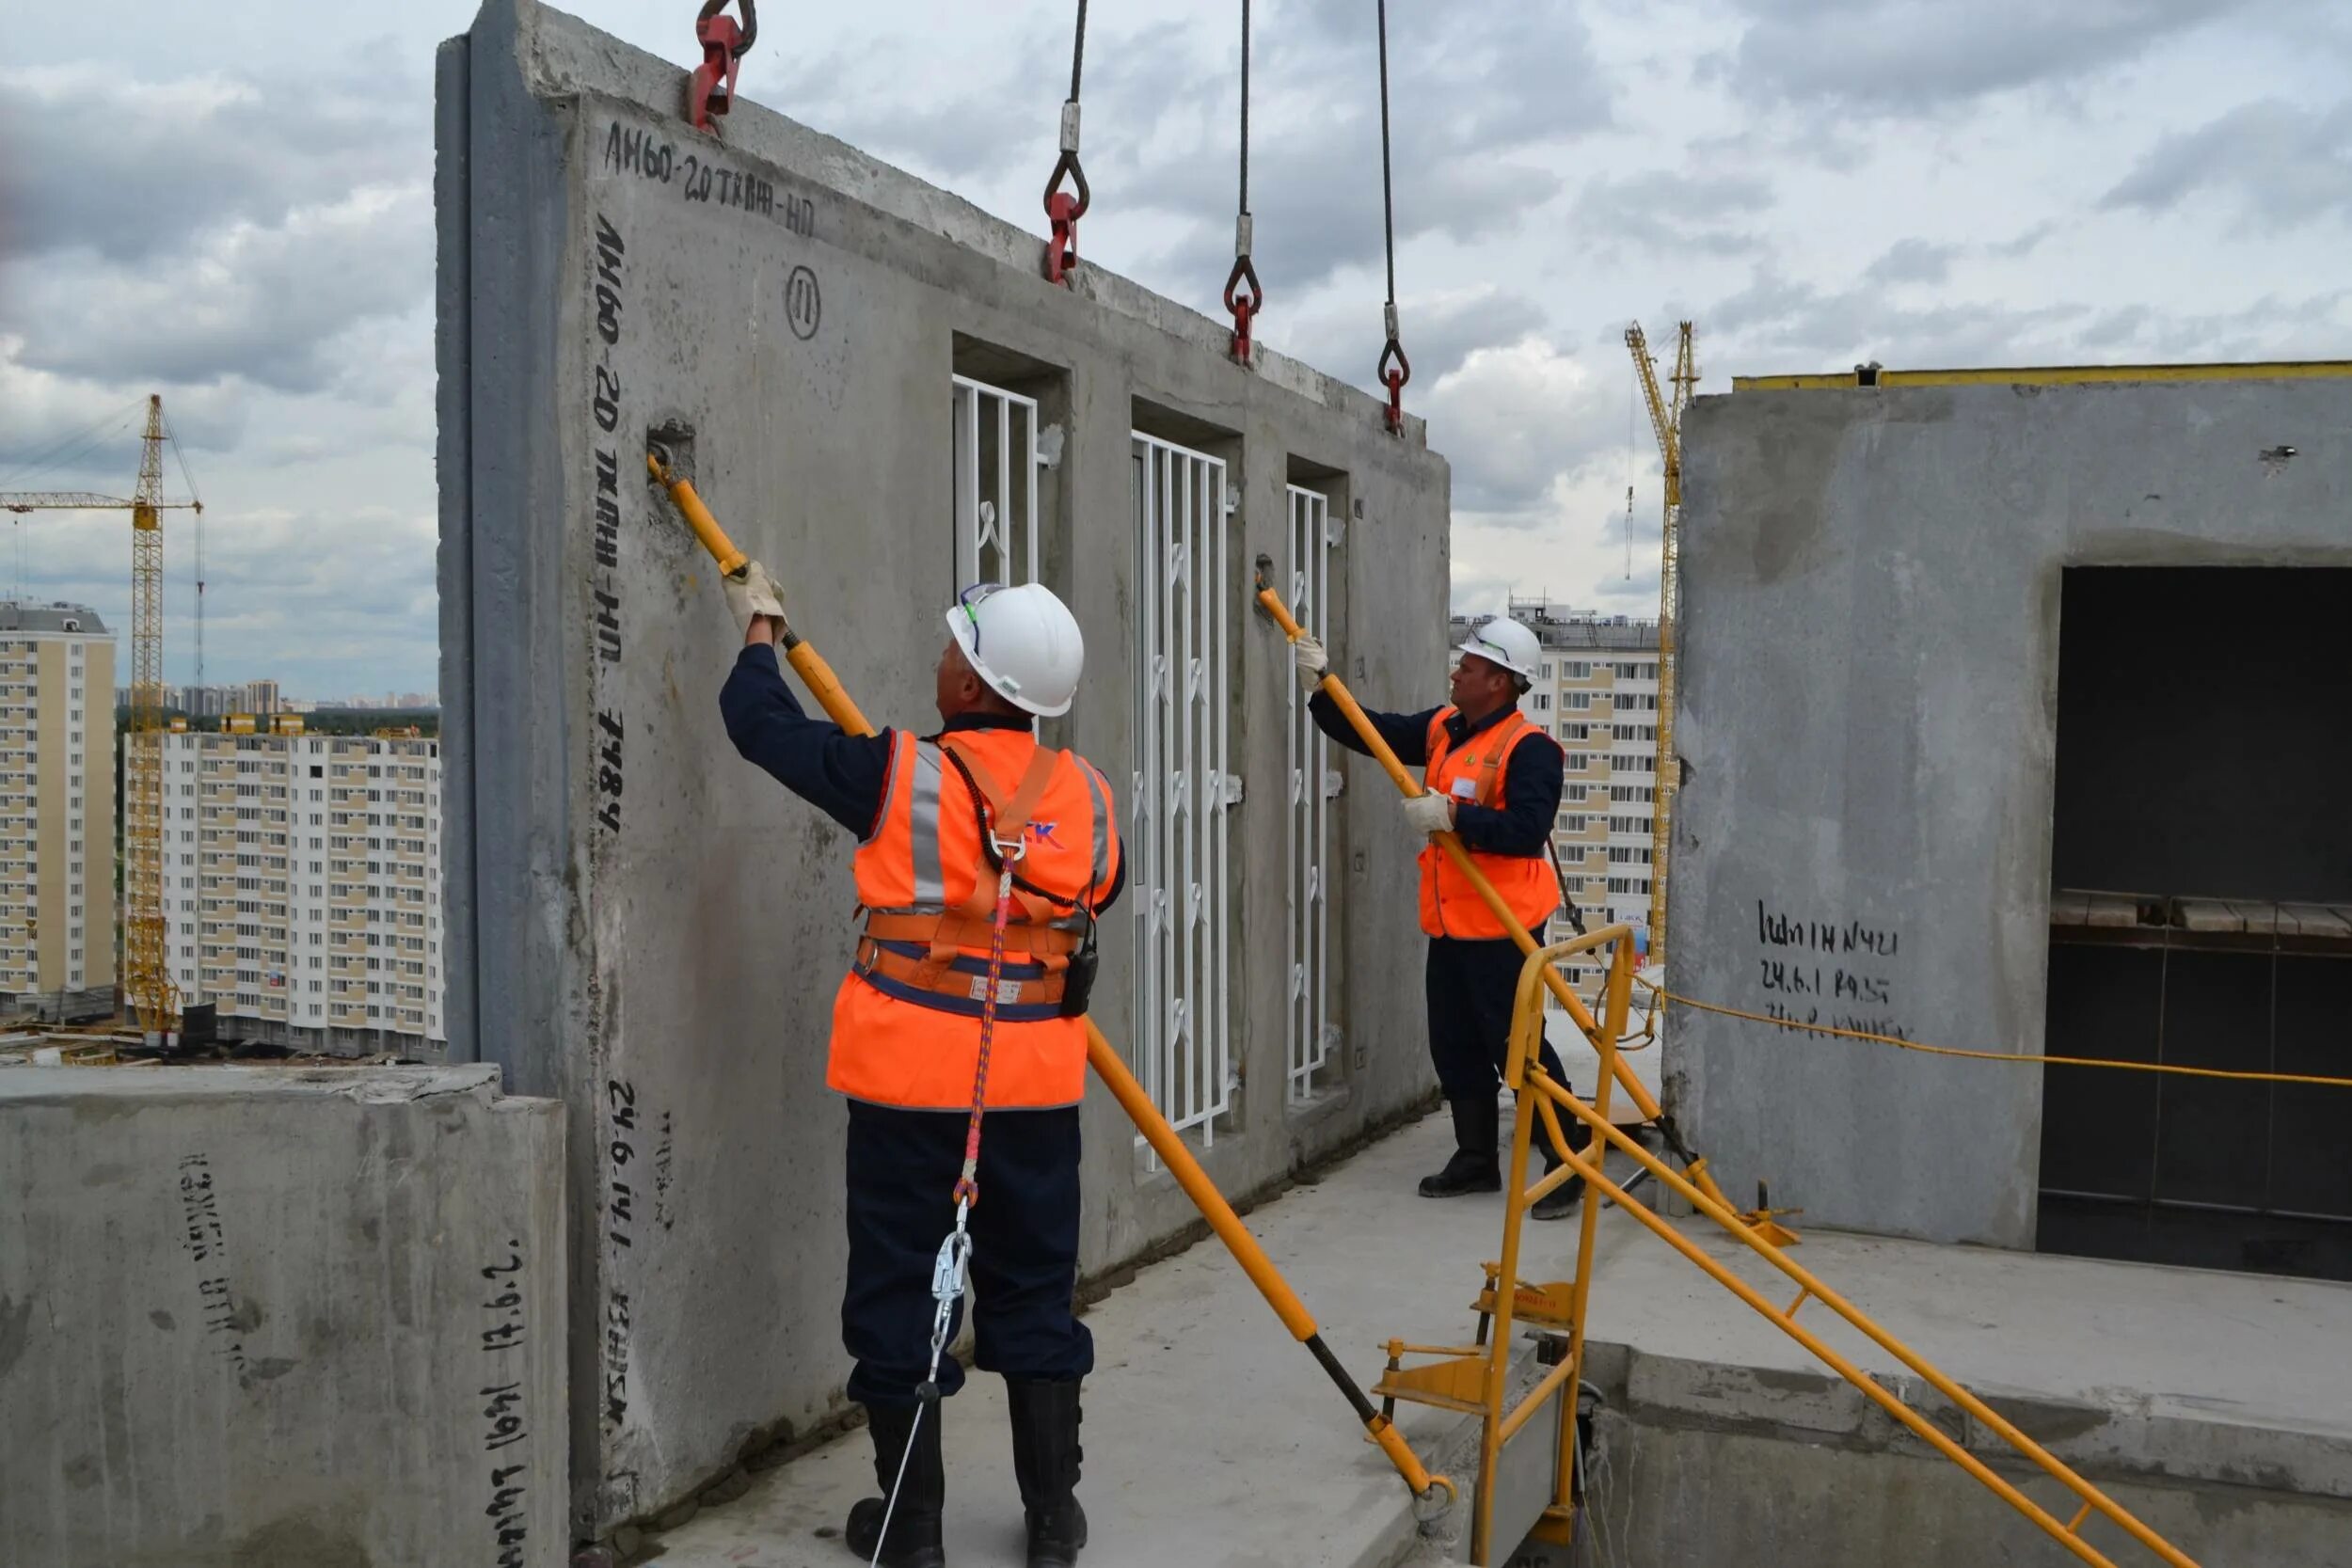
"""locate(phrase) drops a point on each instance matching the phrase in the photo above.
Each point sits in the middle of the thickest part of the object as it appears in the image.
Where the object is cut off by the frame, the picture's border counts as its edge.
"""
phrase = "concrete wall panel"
(279, 1318)
(657, 928)
(1871, 593)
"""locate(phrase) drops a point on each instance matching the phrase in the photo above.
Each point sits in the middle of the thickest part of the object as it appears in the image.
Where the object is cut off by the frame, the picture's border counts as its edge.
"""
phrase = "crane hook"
(711, 89)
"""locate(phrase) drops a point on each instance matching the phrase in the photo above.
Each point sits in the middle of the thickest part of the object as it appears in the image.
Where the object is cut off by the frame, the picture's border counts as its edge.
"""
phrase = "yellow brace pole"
(1452, 845)
(1112, 1069)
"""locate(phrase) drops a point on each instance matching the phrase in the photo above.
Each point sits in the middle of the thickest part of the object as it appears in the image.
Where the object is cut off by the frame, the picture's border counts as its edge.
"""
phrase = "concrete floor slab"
(1212, 1439)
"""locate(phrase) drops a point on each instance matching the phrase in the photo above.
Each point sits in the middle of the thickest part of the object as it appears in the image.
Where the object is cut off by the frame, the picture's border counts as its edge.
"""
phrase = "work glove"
(1310, 659)
(751, 592)
(1429, 814)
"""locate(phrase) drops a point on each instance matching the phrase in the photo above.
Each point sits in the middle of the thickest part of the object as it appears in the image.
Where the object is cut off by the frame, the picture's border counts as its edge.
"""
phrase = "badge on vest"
(1465, 789)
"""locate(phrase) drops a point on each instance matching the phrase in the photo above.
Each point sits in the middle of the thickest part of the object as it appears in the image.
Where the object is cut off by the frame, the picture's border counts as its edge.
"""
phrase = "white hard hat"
(1023, 641)
(1502, 641)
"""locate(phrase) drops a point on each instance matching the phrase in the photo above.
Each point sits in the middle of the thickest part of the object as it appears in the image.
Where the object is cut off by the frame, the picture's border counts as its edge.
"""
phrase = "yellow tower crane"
(1666, 419)
(147, 982)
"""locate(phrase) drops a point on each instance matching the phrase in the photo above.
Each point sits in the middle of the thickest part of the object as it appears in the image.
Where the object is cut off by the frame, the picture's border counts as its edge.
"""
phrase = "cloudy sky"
(229, 204)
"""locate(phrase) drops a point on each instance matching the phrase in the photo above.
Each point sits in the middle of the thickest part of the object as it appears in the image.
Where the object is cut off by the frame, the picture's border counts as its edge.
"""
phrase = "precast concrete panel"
(652, 929)
(1868, 732)
(281, 1318)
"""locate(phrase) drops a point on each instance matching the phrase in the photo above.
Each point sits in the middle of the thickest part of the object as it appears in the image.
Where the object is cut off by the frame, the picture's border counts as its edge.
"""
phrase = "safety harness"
(924, 956)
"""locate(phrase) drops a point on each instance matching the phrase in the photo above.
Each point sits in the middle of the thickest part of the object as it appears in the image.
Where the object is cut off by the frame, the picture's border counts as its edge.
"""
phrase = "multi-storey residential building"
(215, 702)
(56, 811)
(1596, 691)
(303, 886)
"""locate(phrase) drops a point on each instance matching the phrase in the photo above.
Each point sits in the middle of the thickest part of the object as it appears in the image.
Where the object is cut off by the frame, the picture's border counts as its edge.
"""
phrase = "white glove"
(749, 593)
(1312, 663)
(1429, 814)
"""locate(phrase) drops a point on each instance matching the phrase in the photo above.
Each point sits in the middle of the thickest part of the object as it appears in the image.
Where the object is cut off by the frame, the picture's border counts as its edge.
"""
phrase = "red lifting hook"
(711, 91)
(1063, 209)
(1244, 305)
(1394, 377)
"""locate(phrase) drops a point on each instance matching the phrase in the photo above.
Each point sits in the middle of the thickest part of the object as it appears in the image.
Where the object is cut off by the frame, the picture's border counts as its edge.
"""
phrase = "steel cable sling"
(1394, 369)
(1245, 305)
(1064, 208)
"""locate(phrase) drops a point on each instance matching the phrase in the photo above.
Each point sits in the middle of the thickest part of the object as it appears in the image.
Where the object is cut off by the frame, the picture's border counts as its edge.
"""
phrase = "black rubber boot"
(1046, 1456)
(1563, 1200)
(915, 1523)
(1477, 1164)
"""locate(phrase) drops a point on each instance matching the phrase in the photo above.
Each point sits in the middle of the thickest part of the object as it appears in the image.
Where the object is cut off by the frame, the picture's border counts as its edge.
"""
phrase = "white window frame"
(1178, 849)
(1312, 1037)
(996, 534)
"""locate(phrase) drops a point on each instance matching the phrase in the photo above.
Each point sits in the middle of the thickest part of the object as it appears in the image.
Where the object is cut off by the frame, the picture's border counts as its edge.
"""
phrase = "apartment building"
(1597, 691)
(57, 949)
(303, 886)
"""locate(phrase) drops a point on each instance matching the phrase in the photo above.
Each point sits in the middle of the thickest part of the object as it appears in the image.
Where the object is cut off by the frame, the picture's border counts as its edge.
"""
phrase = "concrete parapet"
(279, 1318)
(649, 929)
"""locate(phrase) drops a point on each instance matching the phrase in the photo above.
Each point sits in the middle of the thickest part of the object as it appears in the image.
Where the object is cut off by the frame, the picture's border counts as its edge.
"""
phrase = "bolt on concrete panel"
(649, 928)
(1869, 709)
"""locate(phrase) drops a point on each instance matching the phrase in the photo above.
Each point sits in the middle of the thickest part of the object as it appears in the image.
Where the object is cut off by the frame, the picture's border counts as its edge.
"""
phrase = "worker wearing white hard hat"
(1492, 777)
(937, 817)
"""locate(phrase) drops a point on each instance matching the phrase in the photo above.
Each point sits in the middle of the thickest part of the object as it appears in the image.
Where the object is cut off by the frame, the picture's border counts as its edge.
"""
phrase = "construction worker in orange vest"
(1493, 778)
(937, 817)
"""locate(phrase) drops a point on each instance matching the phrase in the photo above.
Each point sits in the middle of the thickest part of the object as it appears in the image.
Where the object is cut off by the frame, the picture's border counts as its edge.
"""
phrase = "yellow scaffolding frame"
(1487, 1369)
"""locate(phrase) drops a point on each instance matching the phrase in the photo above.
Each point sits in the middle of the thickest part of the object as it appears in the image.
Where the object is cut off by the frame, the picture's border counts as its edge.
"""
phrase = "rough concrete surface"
(2217, 1404)
(655, 928)
(279, 1318)
(1867, 719)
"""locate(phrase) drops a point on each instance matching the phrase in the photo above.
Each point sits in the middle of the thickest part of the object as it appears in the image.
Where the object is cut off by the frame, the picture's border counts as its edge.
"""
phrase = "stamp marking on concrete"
(208, 1245)
(803, 302)
(620, 1217)
(701, 177)
(1789, 947)
(503, 1419)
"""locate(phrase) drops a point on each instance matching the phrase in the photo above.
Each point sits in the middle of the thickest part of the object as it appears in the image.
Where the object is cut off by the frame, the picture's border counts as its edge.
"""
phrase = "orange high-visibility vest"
(1450, 907)
(906, 1022)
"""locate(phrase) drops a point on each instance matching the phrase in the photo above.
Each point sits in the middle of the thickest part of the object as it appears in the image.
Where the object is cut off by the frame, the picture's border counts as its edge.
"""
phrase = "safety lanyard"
(952, 1269)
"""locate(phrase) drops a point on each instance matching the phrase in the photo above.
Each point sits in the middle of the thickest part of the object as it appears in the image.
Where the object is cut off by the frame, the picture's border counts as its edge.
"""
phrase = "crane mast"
(148, 983)
(1665, 420)
(147, 986)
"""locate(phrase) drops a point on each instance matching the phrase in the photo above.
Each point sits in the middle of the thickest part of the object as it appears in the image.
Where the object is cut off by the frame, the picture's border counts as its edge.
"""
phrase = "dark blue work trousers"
(902, 1170)
(1470, 987)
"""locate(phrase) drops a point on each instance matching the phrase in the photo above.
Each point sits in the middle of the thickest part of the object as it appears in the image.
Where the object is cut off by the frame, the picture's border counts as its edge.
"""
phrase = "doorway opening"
(2202, 915)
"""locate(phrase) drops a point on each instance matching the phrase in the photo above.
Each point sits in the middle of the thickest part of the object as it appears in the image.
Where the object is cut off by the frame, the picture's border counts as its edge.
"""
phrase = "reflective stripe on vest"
(1529, 888)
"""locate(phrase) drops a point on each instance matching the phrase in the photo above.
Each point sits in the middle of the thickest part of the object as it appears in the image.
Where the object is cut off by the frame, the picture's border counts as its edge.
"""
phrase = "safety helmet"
(1023, 641)
(1500, 639)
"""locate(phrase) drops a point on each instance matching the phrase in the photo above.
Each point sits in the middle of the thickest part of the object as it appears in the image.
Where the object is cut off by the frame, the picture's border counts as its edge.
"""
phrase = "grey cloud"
(2281, 164)
(1438, 335)
(1473, 90)
(1913, 260)
(1776, 325)
(266, 305)
(1893, 57)
(1669, 211)
(130, 169)
(1519, 421)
